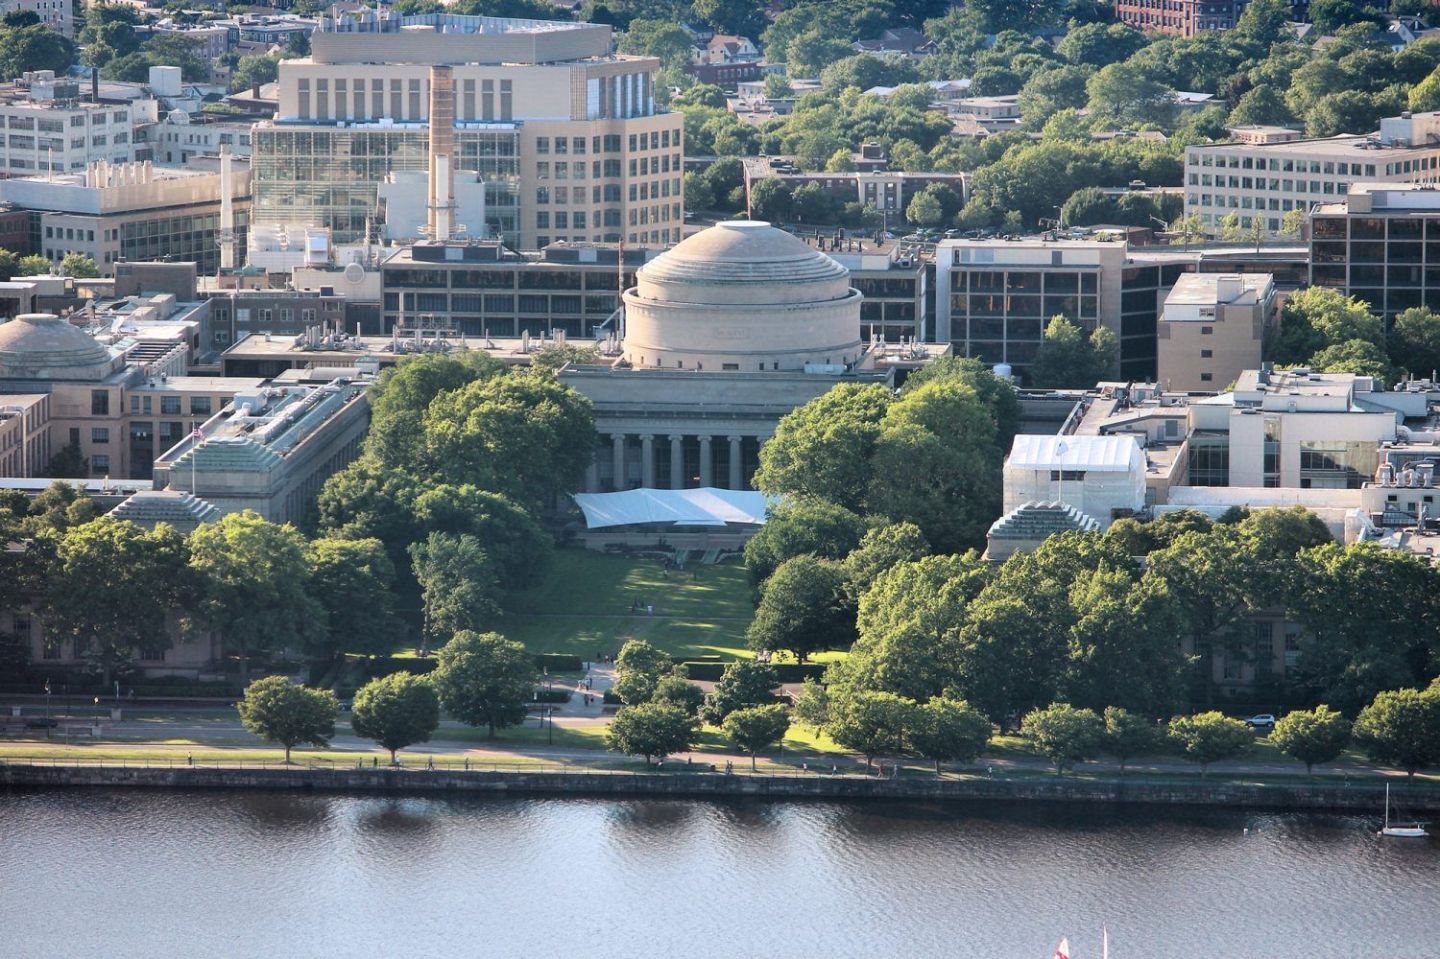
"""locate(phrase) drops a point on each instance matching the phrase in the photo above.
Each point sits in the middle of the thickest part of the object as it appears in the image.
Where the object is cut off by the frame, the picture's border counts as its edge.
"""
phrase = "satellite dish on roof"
(354, 273)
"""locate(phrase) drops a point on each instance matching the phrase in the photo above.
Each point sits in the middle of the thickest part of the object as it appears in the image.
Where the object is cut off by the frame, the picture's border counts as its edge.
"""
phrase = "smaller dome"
(741, 254)
(35, 345)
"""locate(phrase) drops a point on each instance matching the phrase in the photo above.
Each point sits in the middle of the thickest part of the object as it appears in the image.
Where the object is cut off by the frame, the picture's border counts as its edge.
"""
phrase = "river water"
(115, 874)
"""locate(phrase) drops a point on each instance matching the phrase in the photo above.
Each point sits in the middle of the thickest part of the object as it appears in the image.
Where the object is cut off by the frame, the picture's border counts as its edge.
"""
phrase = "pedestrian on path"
(189, 759)
(430, 763)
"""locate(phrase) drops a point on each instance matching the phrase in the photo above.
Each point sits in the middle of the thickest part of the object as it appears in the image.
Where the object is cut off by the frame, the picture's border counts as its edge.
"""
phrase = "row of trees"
(1323, 329)
(481, 679)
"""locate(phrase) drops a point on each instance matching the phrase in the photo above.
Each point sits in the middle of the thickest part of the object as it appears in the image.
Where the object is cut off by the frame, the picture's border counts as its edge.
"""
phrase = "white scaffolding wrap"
(679, 507)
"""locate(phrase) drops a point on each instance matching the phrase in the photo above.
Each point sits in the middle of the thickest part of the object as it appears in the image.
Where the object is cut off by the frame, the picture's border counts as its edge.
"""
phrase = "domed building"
(724, 334)
(42, 346)
(742, 296)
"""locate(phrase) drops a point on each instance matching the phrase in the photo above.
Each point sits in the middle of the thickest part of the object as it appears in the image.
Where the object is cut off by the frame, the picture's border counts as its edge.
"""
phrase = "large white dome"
(742, 295)
(44, 346)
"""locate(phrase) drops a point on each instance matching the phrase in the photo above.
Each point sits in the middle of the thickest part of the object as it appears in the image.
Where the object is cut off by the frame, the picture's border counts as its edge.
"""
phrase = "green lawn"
(585, 606)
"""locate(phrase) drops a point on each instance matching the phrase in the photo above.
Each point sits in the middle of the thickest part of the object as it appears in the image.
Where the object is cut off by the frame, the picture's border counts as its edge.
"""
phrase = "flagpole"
(1104, 941)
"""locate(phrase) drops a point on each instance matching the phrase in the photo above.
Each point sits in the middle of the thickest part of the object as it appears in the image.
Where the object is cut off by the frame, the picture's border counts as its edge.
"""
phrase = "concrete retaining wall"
(1358, 798)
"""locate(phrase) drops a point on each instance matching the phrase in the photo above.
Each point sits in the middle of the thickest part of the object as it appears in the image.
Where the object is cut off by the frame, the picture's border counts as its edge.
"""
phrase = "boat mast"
(1387, 805)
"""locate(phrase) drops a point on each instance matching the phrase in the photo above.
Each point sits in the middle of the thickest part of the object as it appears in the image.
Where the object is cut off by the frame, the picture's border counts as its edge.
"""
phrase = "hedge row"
(551, 696)
(784, 672)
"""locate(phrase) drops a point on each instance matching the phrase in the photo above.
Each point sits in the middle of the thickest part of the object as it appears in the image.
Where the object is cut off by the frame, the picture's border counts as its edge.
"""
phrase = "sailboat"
(1409, 830)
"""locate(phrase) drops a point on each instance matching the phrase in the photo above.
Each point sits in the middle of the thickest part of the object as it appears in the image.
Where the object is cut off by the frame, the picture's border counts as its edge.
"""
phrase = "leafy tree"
(810, 52)
(1401, 727)
(402, 395)
(1087, 206)
(484, 679)
(79, 266)
(1121, 647)
(1330, 15)
(698, 195)
(804, 608)
(9, 265)
(823, 448)
(253, 580)
(351, 580)
(1101, 44)
(1317, 317)
(35, 265)
(512, 538)
(35, 47)
(881, 548)
(396, 711)
(872, 724)
(1312, 736)
(1069, 359)
(1064, 734)
(1425, 95)
(68, 463)
(757, 727)
(524, 435)
(772, 200)
(1345, 111)
(777, 87)
(998, 395)
(1261, 105)
(1211, 737)
(1361, 357)
(812, 705)
(458, 584)
(254, 70)
(936, 464)
(1415, 340)
(742, 684)
(110, 586)
(677, 690)
(651, 730)
(865, 70)
(1048, 92)
(798, 527)
(656, 38)
(555, 355)
(638, 671)
(280, 711)
(1122, 93)
(1127, 735)
(1356, 643)
(700, 95)
(925, 210)
(1264, 22)
(949, 730)
(908, 624)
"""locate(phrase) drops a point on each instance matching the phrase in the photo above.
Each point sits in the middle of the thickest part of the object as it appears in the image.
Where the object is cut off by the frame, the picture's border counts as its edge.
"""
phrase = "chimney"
(440, 221)
(95, 84)
(226, 236)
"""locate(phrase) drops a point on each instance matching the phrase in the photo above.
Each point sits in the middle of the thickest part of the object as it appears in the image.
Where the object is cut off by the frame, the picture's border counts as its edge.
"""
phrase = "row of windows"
(643, 166)
(655, 140)
(1291, 165)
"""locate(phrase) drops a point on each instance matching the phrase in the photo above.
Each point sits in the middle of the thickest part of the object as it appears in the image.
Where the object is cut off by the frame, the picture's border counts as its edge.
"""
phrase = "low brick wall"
(1357, 798)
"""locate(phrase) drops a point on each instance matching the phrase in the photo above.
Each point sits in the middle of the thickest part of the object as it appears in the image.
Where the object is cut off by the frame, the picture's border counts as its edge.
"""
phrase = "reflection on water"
(159, 875)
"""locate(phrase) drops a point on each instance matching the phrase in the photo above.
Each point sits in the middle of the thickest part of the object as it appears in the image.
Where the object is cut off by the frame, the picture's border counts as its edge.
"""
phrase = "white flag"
(1062, 951)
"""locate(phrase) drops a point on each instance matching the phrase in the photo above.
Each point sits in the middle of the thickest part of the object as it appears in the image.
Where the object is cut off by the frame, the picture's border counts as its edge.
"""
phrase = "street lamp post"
(47, 708)
(551, 713)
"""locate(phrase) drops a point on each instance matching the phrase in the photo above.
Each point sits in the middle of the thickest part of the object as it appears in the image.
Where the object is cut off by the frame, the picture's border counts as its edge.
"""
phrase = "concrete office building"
(55, 14)
(1381, 244)
(1212, 328)
(565, 135)
(50, 128)
(131, 211)
(272, 449)
(1270, 179)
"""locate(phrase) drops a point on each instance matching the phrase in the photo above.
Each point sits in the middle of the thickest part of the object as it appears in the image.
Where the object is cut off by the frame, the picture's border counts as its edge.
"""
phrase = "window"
(1206, 330)
(99, 402)
(100, 464)
(1206, 354)
(200, 406)
(1206, 377)
(100, 434)
(170, 405)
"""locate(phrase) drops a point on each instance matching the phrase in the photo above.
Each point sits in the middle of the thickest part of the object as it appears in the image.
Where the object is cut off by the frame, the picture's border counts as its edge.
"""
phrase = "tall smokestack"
(441, 207)
(226, 236)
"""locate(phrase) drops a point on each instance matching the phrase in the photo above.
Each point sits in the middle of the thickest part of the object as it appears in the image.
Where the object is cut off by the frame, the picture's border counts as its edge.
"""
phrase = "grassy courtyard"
(589, 601)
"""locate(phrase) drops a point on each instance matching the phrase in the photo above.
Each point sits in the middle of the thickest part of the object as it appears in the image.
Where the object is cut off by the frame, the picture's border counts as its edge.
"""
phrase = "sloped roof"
(1033, 520)
(181, 510)
(707, 506)
(1114, 454)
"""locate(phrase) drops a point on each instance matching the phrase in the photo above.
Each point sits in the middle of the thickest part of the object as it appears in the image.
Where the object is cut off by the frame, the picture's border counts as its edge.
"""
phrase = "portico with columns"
(674, 460)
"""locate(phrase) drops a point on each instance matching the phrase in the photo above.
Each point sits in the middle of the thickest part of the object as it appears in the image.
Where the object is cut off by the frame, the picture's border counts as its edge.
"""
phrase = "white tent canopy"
(680, 507)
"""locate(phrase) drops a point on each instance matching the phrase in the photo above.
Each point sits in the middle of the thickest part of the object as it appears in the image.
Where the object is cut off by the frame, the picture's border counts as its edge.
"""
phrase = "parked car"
(1264, 721)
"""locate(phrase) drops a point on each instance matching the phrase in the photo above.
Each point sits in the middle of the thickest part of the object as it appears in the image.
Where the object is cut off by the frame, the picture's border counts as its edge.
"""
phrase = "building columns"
(677, 461)
(707, 465)
(592, 477)
(647, 460)
(618, 439)
(735, 472)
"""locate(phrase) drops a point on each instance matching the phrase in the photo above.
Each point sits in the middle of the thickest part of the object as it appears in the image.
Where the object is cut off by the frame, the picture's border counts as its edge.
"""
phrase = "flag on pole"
(1104, 941)
(1062, 951)
(198, 436)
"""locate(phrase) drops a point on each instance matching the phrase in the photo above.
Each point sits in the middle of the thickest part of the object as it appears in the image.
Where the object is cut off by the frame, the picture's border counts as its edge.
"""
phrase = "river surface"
(115, 874)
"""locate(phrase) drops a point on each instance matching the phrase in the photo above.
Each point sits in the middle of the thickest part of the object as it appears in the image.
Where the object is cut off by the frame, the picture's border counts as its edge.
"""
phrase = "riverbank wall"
(1299, 796)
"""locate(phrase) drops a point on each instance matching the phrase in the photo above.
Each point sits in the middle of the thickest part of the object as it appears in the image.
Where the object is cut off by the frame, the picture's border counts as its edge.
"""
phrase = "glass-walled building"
(566, 135)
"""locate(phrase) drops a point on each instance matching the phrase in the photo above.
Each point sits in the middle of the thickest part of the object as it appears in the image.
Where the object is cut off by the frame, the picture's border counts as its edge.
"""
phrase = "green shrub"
(784, 672)
(559, 662)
